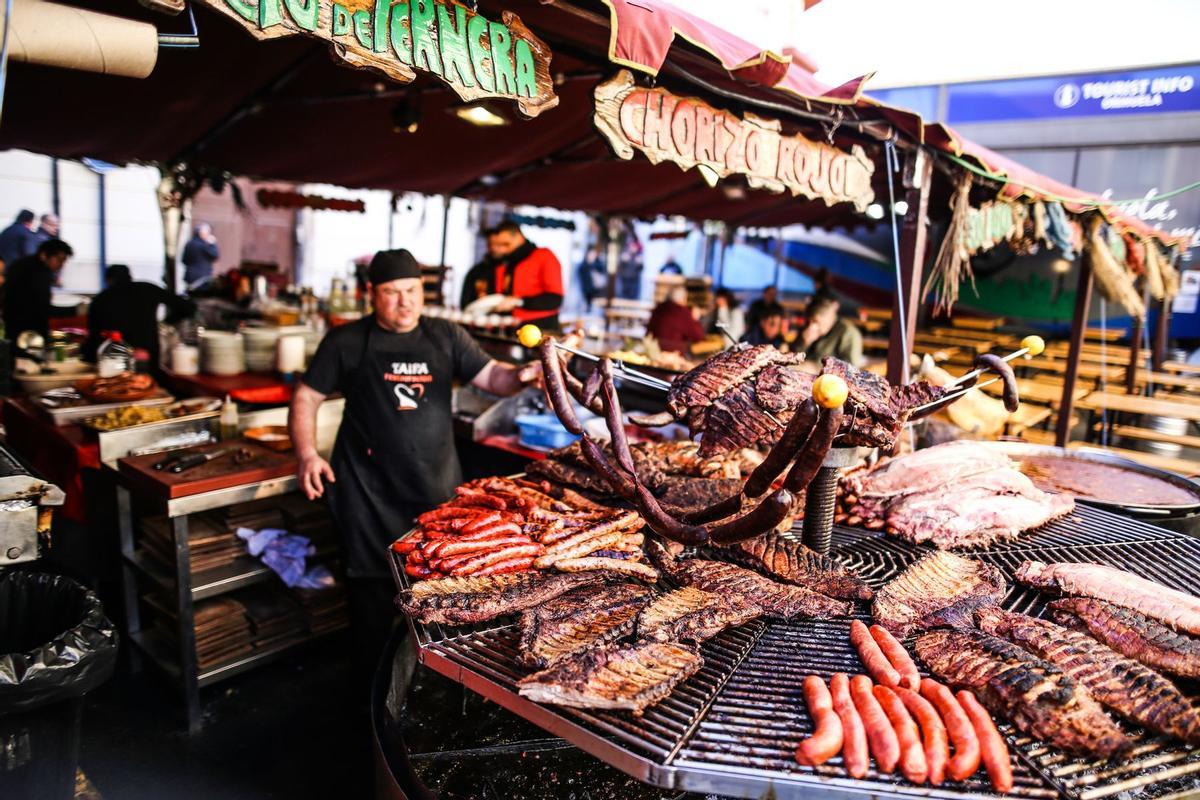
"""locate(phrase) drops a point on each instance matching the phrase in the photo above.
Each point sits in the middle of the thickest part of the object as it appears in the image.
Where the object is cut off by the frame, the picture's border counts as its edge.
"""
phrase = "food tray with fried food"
(68, 406)
(125, 387)
(129, 416)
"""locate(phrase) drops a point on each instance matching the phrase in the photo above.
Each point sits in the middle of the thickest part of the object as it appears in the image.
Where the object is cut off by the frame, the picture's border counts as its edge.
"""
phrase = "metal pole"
(914, 234)
(391, 221)
(1135, 347)
(103, 231)
(445, 228)
(1161, 334)
(778, 258)
(1083, 302)
(612, 257)
(55, 199)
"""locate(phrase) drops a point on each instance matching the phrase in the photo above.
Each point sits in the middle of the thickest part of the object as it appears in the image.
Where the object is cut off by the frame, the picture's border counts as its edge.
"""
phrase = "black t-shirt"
(333, 365)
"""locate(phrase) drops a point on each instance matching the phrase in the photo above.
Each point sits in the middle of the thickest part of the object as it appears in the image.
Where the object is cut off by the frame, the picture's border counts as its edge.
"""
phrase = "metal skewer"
(626, 372)
(1030, 345)
(946, 399)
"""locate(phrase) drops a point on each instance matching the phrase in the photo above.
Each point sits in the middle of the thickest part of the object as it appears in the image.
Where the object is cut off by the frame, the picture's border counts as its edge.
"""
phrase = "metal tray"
(72, 414)
(732, 728)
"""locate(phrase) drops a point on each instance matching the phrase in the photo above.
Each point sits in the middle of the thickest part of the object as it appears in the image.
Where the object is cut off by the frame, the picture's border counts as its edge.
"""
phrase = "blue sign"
(1143, 91)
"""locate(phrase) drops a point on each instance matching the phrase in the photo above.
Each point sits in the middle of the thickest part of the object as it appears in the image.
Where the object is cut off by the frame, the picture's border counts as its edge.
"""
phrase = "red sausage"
(933, 733)
(519, 564)
(991, 743)
(826, 741)
(965, 762)
(898, 657)
(417, 571)
(405, 546)
(482, 521)
(872, 657)
(881, 736)
(482, 560)
(854, 736)
(913, 765)
(446, 549)
(443, 513)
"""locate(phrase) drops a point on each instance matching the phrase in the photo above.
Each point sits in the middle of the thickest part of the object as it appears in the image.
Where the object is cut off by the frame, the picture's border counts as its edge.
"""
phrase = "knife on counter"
(194, 460)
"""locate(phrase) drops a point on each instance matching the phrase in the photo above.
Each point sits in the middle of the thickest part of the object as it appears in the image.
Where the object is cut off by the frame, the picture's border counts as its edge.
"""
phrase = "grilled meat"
(685, 494)
(461, 601)
(567, 474)
(692, 393)
(987, 507)
(875, 410)
(1131, 634)
(1014, 683)
(681, 458)
(775, 599)
(692, 615)
(620, 678)
(922, 470)
(1178, 610)
(1131, 689)
(790, 561)
(938, 584)
(580, 619)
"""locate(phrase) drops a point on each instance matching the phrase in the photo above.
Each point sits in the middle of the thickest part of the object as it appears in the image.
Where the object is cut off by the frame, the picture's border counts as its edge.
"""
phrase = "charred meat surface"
(569, 474)
(619, 678)
(777, 600)
(876, 411)
(788, 560)
(1013, 683)
(578, 620)
(1178, 610)
(462, 601)
(1128, 687)
(922, 470)
(1131, 634)
(685, 494)
(692, 615)
(937, 583)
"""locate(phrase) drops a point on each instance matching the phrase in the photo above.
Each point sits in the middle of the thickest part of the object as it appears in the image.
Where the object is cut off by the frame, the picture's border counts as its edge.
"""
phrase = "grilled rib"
(790, 561)
(1131, 634)
(930, 590)
(692, 615)
(1014, 683)
(461, 601)
(775, 599)
(1129, 688)
(1179, 610)
(579, 619)
(620, 678)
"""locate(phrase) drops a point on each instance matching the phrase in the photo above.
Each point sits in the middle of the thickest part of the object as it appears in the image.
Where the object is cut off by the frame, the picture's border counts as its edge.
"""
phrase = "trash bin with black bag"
(56, 645)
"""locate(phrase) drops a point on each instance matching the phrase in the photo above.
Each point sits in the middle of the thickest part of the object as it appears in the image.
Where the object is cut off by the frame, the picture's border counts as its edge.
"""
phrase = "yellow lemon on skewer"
(1034, 344)
(529, 336)
(830, 391)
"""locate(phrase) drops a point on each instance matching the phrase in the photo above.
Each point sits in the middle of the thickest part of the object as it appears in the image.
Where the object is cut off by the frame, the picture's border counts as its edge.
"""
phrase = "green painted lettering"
(425, 49)
(302, 13)
(401, 33)
(452, 36)
(379, 26)
(477, 45)
(243, 10)
(362, 27)
(502, 66)
(526, 70)
(341, 20)
(269, 14)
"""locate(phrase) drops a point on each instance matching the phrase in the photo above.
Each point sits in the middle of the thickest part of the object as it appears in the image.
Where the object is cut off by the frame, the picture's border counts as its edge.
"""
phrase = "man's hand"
(508, 304)
(531, 374)
(311, 470)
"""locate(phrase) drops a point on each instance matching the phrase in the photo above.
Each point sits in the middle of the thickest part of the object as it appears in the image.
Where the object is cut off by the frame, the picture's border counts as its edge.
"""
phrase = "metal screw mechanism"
(820, 499)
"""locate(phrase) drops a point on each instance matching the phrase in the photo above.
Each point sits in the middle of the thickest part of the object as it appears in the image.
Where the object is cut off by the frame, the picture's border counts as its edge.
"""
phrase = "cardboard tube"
(61, 36)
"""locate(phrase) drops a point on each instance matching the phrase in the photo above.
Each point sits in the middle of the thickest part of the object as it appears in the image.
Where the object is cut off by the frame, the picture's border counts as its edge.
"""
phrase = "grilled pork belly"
(1131, 634)
(931, 590)
(1128, 687)
(692, 615)
(1014, 683)
(775, 599)
(461, 601)
(788, 560)
(578, 620)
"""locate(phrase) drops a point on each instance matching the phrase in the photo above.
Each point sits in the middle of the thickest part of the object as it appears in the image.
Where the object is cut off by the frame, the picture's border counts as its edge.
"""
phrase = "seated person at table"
(674, 324)
(769, 329)
(131, 307)
(759, 308)
(727, 313)
(827, 334)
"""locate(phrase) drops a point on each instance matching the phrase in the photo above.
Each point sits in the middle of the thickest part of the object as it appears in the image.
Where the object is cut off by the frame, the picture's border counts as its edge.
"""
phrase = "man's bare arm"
(302, 426)
(506, 379)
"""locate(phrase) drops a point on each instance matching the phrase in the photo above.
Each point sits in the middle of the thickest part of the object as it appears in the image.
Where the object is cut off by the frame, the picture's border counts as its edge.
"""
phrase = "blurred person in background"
(199, 256)
(131, 307)
(760, 307)
(18, 239)
(529, 275)
(827, 334)
(47, 228)
(673, 323)
(28, 289)
(726, 312)
(769, 330)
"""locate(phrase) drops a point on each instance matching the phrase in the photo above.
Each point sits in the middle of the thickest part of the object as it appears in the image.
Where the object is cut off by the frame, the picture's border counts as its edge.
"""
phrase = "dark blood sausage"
(965, 762)
(621, 484)
(765, 518)
(794, 436)
(612, 416)
(991, 743)
(881, 736)
(663, 523)
(579, 392)
(996, 364)
(826, 740)
(556, 389)
(719, 510)
(815, 450)
(913, 765)
(854, 737)
(591, 387)
(651, 420)
(933, 732)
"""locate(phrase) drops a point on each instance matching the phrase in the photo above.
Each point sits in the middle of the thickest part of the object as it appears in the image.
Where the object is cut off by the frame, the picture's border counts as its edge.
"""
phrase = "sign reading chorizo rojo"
(691, 133)
(477, 57)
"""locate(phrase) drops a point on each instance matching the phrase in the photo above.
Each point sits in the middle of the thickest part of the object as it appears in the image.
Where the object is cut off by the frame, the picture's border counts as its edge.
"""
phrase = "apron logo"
(410, 378)
(407, 395)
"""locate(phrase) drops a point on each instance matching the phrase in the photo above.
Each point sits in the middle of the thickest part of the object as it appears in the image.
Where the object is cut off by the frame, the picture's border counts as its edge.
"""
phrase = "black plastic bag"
(55, 642)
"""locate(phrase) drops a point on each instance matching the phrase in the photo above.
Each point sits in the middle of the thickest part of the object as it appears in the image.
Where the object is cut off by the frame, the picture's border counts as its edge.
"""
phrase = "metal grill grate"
(733, 727)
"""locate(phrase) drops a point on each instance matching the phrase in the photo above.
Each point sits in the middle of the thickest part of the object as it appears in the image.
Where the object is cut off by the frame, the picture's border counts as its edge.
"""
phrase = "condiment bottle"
(229, 420)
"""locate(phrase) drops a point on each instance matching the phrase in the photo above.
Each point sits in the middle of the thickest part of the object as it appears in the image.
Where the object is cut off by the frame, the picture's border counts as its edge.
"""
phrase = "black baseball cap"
(390, 265)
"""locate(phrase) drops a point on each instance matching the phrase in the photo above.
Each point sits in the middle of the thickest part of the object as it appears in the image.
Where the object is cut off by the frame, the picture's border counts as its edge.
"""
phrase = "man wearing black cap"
(394, 456)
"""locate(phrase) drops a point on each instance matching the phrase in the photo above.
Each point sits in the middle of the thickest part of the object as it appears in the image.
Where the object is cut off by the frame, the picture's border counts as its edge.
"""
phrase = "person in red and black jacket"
(531, 276)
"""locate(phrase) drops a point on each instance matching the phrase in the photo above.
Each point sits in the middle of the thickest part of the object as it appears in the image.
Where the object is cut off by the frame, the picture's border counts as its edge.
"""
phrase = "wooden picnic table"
(1107, 334)
(1181, 367)
(1166, 380)
(876, 343)
(1087, 369)
(1025, 418)
(1087, 356)
(1181, 466)
(1037, 391)
(965, 333)
(933, 340)
(978, 323)
(1137, 404)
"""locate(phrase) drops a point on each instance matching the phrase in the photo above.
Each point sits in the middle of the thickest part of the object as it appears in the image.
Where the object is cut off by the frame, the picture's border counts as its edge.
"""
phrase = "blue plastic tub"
(543, 431)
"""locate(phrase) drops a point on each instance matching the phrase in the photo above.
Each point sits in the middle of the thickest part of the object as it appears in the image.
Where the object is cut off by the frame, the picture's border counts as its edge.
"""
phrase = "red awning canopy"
(282, 109)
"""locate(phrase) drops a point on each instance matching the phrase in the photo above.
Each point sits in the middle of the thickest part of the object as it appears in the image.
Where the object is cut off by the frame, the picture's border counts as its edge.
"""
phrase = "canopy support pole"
(1083, 302)
(1135, 347)
(612, 259)
(914, 234)
(1161, 331)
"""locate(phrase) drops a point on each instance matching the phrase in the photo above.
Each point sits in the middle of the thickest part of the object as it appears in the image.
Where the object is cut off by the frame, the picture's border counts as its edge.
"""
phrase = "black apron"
(395, 454)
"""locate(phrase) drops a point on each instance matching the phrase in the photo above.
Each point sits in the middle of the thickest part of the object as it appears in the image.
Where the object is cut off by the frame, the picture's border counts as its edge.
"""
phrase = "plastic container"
(55, 646)
(114, 356)
(543, 431)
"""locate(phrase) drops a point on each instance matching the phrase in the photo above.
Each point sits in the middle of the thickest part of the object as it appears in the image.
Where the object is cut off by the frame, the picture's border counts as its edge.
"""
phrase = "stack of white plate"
(260, 348)
(222, 353)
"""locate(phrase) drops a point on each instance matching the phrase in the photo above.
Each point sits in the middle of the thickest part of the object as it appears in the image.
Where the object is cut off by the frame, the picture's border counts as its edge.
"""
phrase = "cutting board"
(222, 473)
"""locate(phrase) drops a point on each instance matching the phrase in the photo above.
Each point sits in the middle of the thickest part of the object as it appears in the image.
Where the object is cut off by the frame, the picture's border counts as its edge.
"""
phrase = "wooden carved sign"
(691, 133)
(478, 58)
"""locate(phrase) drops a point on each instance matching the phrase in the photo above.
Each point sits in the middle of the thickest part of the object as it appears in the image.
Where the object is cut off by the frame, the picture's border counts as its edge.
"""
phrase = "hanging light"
(480, 114)
(406, 117)
(900, 208)
(1060, 266)
(875, 211)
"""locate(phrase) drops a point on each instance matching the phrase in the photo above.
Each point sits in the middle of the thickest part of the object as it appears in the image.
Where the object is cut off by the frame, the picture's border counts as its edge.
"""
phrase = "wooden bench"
(1148, 435)
(1026, 417)
(1181, 367)
(1167, 380)
(1035, 390)
(1038, 436)
(978, 323)
(1107, 334)
(1181, 466)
